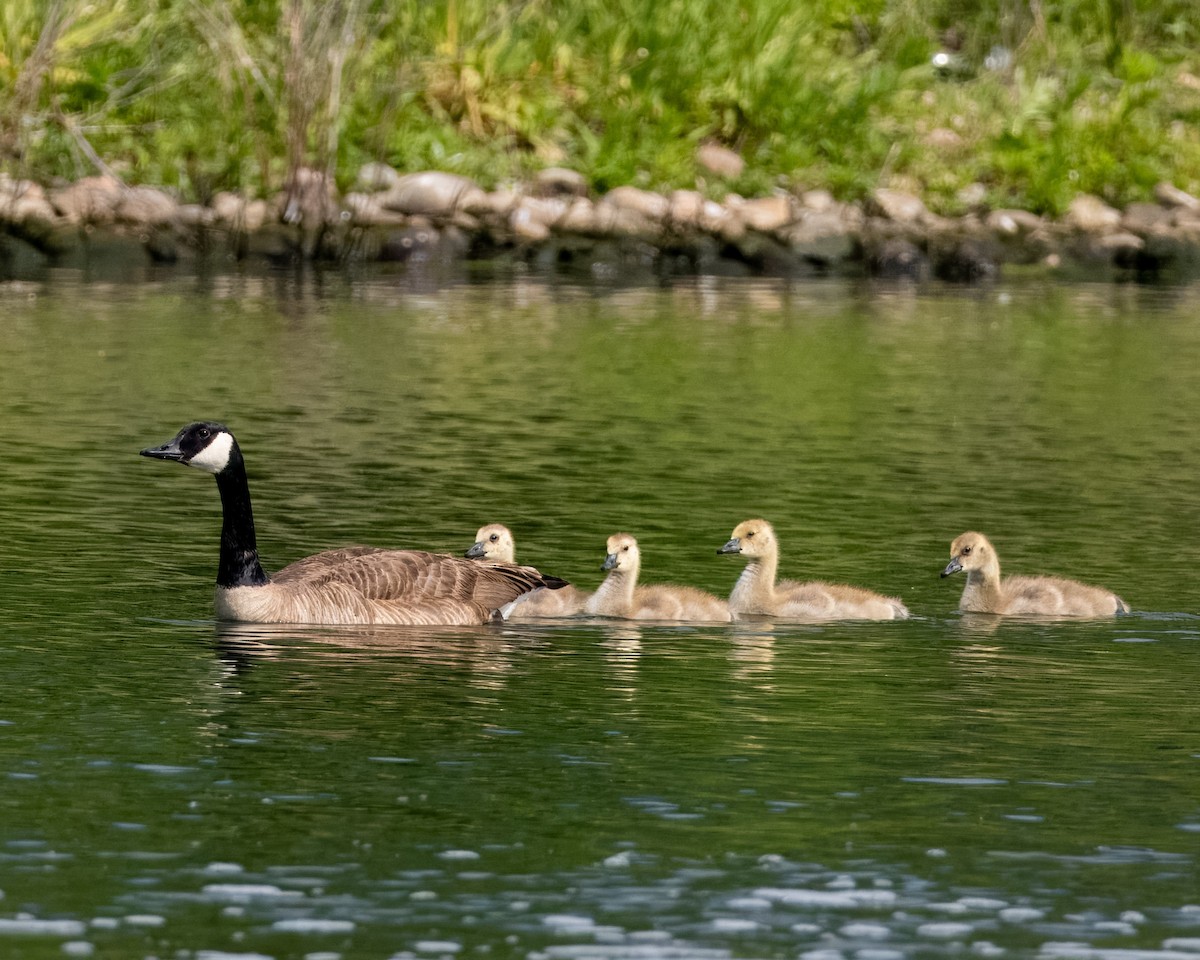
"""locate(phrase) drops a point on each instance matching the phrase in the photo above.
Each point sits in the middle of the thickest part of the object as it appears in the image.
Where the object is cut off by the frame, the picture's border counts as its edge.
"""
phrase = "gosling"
(620, 596)
(757, 594)
(985, 592)
(494, 543)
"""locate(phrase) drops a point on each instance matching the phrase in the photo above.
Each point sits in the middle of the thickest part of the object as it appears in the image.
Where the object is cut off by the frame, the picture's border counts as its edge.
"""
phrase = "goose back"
(366, 585)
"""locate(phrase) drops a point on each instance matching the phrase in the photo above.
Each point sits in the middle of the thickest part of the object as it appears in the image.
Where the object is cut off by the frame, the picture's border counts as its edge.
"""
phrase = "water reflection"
(944, 785)
(752, 653)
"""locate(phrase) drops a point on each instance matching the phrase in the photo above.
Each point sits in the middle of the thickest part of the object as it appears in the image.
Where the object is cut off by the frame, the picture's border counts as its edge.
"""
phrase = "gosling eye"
(494, 537)
(625, 549)
(750, 534)
(966, 550)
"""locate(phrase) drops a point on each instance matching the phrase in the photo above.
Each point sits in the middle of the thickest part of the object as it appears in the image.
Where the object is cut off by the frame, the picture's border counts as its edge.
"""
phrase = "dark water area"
(575, 789)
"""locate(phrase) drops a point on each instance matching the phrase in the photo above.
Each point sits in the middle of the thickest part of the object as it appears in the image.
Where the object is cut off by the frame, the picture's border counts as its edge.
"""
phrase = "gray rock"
(1170, 195)
(685, 208)
(580, 219)
(365, 210)
(12, 190)
(533, 218)
(1118, 244)
(691, 212)
(227, 207)
(146, 206)
(1013, 223)
(545, 210)
(1090, 214)
(898, 206)
(625, 223)
(491, 207)
(652, 206)
(374, 177)
(729, 227)
(194, 215)
(25, 212)
(24, 202)
(633, 214)
(235, 212)
(822, 237)
(819, 201)
(559, 182)
(92, 200)
(720, 160)
(432, 194)
(1141, 218)
(1170, 243)
(766, 214)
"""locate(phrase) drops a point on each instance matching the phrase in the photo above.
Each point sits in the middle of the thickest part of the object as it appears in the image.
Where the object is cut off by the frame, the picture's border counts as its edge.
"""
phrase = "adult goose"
(621, 596)
(756, 592)
(352, 585)
(985, 592)
(494, 542)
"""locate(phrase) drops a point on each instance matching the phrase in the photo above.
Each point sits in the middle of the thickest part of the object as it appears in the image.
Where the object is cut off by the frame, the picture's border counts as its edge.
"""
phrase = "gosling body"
(1045, 596)
(620, 595)
(494, 543)
(757, 593)
(354, 585)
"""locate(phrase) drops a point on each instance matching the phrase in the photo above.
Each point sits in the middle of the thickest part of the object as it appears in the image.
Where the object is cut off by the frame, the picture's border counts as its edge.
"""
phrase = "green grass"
(1100, 96)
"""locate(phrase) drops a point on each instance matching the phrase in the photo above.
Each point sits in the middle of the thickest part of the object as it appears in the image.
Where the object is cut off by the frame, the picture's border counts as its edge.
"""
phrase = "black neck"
(239, 550)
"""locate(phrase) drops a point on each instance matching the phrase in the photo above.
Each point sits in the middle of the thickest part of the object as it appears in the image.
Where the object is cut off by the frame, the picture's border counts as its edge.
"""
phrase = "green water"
(171, 787)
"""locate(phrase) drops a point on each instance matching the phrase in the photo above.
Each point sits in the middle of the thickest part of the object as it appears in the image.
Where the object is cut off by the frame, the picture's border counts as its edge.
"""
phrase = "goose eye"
(204, 433)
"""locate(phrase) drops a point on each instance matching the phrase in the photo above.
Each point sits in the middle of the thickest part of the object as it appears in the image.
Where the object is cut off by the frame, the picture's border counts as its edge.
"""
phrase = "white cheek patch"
(215, 457)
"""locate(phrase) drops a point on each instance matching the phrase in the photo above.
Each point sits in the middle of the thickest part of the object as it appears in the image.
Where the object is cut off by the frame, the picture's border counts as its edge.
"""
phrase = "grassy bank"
(1037, 100)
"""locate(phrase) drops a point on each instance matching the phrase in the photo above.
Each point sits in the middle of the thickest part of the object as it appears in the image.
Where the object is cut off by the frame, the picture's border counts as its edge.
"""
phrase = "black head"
(205, 445)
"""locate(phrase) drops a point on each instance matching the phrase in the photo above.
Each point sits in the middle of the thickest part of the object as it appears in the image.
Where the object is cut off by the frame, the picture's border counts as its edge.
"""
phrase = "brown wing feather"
(319, 563)
(414, 577)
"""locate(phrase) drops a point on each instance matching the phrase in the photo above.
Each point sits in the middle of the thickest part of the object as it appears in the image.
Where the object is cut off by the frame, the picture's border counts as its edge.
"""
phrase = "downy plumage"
(756, 592)
(620, 596)
(986, 592)
(494, 542)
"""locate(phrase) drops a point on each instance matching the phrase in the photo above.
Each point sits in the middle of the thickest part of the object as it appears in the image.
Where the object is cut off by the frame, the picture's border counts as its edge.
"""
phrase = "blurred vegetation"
(1036, 100)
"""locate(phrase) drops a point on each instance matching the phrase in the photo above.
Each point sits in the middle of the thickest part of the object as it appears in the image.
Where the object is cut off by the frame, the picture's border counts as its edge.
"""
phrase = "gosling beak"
(168, 451)
(952, 567)
(733, 546)
(477, 550)
(610, 562)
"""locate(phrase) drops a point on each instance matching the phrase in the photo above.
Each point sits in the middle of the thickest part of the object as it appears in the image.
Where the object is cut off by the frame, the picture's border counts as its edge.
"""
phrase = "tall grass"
(200, 95)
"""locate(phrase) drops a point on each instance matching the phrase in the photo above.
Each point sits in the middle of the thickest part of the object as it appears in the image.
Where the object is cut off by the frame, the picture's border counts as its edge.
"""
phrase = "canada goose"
(757, 594)
(352, 585)
(494, 542)
(620, 596)
(985, 592)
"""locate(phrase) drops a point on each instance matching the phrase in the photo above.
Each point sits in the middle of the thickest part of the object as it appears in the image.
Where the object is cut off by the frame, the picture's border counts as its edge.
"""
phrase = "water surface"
(943, 786)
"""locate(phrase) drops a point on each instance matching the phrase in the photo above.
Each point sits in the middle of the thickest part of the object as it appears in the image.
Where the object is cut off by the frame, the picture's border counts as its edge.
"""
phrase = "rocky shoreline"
(553, 221)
